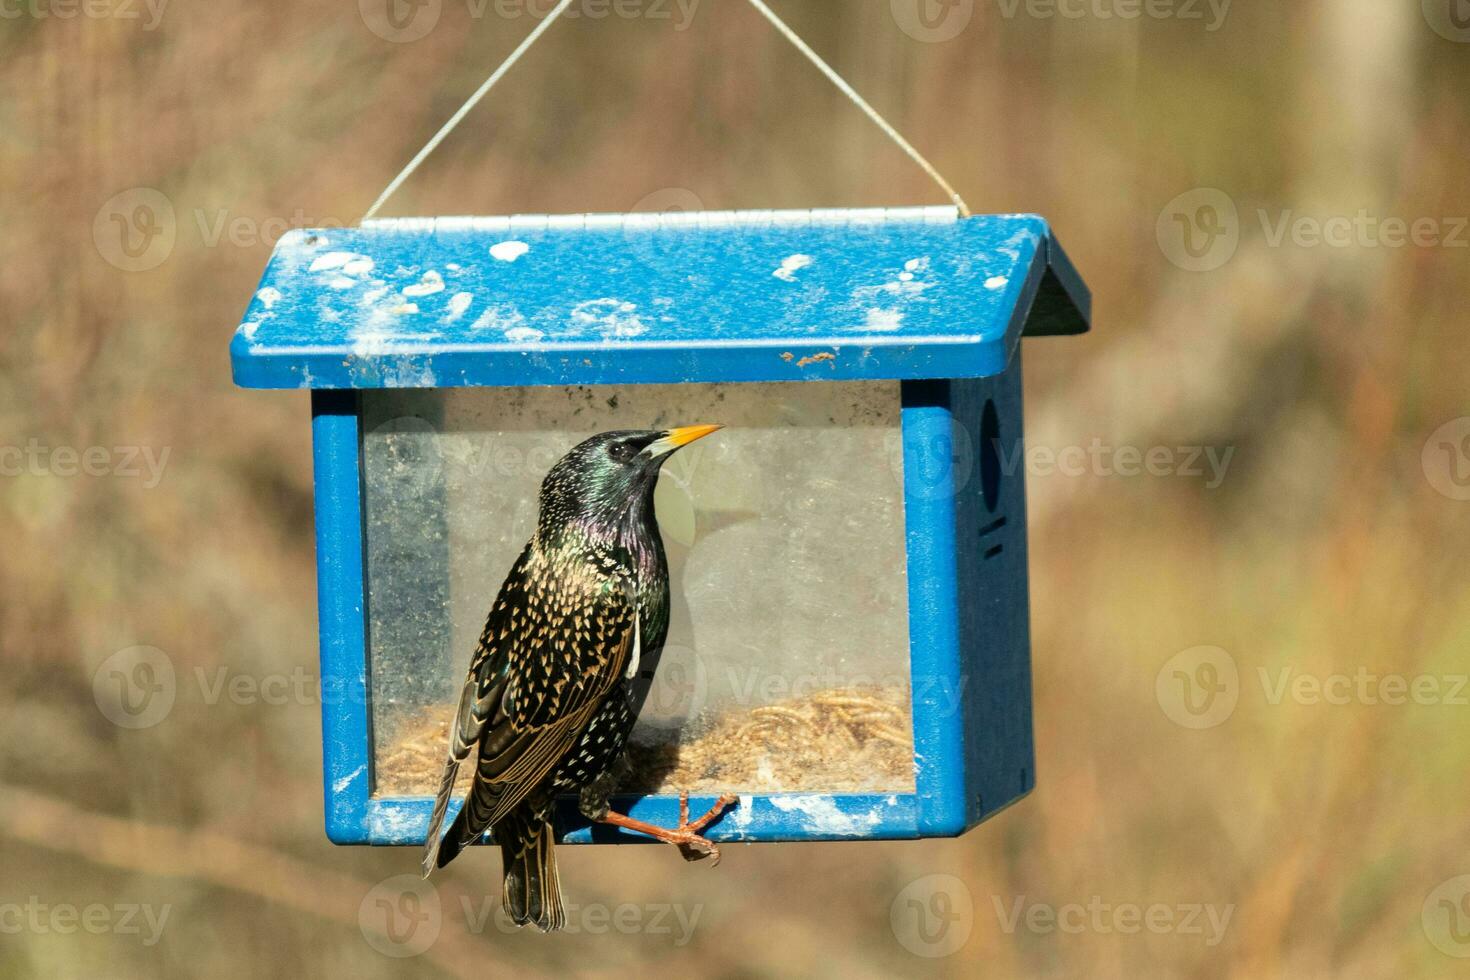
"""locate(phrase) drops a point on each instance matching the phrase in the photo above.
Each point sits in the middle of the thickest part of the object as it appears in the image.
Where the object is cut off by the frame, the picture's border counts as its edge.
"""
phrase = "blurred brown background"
(1333, 372)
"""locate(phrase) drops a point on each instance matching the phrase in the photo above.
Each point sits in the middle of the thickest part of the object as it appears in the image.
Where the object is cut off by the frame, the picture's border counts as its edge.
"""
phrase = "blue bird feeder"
(850, 648)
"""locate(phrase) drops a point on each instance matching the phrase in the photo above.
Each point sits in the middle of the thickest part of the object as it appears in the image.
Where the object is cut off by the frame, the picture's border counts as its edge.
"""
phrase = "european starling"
(551, 696)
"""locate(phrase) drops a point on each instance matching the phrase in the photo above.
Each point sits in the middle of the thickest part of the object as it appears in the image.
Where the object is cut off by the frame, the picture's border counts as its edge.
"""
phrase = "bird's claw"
(691, 845)
(685, 836)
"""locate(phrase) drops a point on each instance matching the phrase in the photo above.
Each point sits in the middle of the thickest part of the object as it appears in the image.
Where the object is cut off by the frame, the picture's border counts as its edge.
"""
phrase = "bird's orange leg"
(686, 835)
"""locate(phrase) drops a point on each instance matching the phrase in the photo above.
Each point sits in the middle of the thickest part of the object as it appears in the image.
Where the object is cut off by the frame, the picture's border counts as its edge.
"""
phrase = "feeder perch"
(849, 649)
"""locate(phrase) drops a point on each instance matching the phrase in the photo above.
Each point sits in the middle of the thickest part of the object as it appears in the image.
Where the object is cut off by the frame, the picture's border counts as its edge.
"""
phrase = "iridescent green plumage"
(549, 700)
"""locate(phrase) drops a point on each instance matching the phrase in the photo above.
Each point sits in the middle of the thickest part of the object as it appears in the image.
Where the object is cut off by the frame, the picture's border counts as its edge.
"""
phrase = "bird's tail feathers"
(481, 805)
(532, 893)
(432, 848)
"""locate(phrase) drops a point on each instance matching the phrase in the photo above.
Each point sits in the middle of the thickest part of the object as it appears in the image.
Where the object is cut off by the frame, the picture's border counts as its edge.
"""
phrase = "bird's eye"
(621, 451)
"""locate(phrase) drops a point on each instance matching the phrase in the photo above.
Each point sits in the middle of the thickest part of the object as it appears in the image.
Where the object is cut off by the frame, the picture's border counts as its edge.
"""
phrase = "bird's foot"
(685, 836)
(697, 848)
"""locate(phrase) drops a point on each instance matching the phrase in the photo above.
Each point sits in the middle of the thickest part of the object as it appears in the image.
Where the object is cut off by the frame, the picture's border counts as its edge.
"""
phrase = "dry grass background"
(1325, 549)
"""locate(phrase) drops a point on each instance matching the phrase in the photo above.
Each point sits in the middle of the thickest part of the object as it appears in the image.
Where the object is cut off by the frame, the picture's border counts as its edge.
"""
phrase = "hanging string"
(464, 110)
(862, 104)
(766, 12)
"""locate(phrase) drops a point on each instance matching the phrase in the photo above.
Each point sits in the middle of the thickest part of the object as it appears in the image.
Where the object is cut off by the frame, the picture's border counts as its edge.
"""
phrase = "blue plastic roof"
(650, 298)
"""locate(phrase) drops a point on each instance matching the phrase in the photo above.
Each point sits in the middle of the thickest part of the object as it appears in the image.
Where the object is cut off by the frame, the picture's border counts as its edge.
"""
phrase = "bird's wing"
(555, 642)
(480, 698)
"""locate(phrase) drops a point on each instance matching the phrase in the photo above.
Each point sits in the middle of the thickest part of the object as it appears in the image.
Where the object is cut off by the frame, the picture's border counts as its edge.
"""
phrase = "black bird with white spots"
(550, 701)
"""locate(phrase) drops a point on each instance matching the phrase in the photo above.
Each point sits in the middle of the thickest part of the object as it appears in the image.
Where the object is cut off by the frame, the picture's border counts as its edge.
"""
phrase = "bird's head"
(611, 476)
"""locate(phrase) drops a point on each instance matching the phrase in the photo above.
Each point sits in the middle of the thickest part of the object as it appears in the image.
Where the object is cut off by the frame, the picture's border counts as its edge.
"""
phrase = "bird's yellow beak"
(674, 438)
(684, 435)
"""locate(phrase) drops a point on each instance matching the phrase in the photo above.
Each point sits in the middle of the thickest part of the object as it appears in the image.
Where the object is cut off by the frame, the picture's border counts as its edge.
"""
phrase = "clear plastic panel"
(786, 665)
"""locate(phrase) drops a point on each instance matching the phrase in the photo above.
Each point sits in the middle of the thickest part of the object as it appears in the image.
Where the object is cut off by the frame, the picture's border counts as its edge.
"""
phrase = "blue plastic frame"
(947, 645)
(966, 538)
(608, 299)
